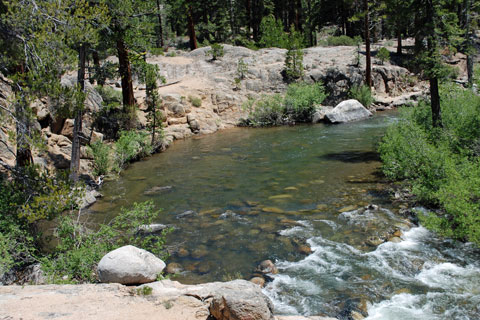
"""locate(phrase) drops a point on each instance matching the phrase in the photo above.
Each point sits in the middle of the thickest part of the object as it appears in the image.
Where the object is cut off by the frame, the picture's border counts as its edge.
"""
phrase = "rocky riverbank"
(167, 300)
(201, 96)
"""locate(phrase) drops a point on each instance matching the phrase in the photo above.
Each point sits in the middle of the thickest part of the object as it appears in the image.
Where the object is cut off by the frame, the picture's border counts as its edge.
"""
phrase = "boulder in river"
(266, 266)
(347, 111)
(129, 265)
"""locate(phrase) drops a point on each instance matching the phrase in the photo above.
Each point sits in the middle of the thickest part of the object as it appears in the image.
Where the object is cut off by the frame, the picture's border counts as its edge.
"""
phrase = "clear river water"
(246, 195)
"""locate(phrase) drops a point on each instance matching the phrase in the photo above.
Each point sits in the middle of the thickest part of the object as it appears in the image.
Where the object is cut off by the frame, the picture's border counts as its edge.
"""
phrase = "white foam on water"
(451, 277)
(401, 306)
(330, 223)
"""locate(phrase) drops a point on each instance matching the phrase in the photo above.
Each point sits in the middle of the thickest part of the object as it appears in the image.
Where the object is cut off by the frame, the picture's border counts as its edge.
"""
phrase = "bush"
(440, 164)
(293, 65)
(111, 98)
(363, 94)
(216, 51)
(298, 105)
(195, 101)
(130, 146)
(79, 248)
(334, 41)
(101, 156)
(301, 99)
(383, 54)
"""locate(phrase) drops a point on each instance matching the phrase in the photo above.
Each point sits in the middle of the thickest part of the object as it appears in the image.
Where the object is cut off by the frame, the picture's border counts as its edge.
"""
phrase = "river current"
(311, 199)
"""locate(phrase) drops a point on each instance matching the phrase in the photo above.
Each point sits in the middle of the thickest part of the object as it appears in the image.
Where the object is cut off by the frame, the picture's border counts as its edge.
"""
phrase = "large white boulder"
(129, 265)
(347, 111)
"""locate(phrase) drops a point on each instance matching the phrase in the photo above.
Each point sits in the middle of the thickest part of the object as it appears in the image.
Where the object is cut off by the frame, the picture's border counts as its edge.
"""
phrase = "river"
(246, 195)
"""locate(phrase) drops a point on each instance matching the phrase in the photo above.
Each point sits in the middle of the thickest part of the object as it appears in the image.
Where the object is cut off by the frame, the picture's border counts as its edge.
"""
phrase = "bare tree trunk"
(468, 43)
(77, 126)
(249, 18)
(191, 30)
(399, 42)
(125, 74)
(160, 41)
(368, 72)
(24, 156)
(435, 103)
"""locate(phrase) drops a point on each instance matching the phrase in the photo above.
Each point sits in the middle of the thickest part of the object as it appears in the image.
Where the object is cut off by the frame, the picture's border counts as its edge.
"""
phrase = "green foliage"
(79, 248)
(144, 291)
(130, 146)
(363, 94)
(383, 54)
(294, 57)
(272, 33)
(216, 51)
(242, 69)
(440, 164)
(101, 156)
(334, 41)
(111, 98)
(298, 105)
(301, 100)
(195, 101)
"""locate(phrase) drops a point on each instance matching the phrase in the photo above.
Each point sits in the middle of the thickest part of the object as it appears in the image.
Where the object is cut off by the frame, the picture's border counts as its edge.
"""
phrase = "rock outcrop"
(347, 111)
(129, 265)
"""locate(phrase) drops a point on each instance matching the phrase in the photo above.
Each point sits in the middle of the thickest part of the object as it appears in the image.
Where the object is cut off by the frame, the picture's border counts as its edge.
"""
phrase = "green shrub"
(267, 111)
(298, 105)
(301, 99)
(242, 69)
(334, 41)
(111, 98)
(440, 164)
(195, 101)
(363, 94)
(101, 153)
(157, 51)
(383, 54)
(294, 65)
(130, 146)
(216, 51)
(80, 248)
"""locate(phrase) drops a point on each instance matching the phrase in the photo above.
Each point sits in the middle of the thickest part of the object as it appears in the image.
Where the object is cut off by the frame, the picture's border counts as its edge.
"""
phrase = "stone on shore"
(348, 111)
(129, 265)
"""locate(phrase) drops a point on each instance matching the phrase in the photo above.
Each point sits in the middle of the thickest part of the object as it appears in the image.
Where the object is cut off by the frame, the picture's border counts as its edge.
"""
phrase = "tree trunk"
(249, 18)
(160, 41)
(125, 73)
(77, 126)
(468, 43)
(399, 42)
(24, 156)
(435, 103)
(191, 30)
(368, 72)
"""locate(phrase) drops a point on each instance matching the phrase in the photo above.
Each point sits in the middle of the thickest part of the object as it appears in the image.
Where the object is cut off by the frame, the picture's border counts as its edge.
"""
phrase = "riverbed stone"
(348, 111)
(260, 281)
(129, 265)
(266, 266)
(173, 268)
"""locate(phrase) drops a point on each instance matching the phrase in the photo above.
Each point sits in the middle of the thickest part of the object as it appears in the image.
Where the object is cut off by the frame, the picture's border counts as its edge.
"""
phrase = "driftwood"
(169, 84)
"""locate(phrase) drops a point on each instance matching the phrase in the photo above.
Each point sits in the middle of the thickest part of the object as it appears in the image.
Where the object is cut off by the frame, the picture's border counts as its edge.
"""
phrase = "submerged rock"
(129, 265)
(347, 111)
(266, 266)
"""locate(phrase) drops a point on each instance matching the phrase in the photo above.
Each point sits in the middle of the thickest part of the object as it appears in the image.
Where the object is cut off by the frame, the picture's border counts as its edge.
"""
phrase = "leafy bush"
(334, 41)
(440, 164)
(101, 156)
(216, 51)
(298, 105)
(300, 100)
(195, 101)
(130, 146)
(79, 248)
(111, 98)
(383, 54)
(363, 94)
(267, 111)
(242, 69)
(293, 64)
